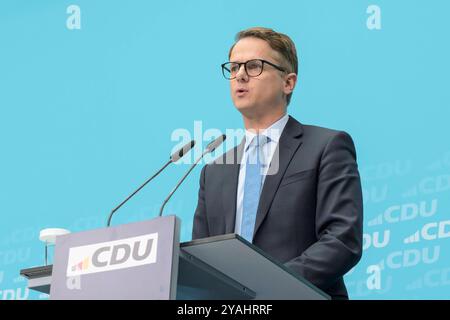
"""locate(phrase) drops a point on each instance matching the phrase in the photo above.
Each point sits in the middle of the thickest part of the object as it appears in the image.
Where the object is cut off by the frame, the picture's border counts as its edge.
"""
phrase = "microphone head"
(177, 155)
(214, 144)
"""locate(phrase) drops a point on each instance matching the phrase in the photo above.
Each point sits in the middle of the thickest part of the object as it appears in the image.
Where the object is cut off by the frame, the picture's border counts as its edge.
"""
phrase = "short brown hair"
(279, 42)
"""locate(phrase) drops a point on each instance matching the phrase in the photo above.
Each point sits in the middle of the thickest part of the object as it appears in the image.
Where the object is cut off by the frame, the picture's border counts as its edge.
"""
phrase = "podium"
(144, 260)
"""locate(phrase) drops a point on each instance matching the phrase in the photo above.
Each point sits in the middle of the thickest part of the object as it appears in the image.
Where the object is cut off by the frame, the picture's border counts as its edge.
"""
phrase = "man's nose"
(241, 75)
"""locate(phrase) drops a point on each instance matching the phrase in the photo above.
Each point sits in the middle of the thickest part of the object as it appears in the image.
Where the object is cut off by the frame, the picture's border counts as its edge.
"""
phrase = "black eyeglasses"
(253, 68)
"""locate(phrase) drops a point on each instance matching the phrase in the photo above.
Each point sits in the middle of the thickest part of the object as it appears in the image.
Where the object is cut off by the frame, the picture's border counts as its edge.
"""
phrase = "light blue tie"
(252, 187)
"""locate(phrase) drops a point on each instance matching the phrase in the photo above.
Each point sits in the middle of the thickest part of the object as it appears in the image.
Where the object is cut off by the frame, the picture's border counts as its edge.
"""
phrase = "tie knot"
(259, 141)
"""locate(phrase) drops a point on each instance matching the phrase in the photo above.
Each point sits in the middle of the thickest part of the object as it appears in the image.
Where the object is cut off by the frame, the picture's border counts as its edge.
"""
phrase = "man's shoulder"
(320, 138)
(314, 134)
(314, 130)
(318, 133)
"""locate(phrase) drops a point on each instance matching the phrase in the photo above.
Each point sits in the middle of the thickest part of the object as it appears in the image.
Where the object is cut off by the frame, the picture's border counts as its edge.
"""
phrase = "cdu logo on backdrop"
(112, 255)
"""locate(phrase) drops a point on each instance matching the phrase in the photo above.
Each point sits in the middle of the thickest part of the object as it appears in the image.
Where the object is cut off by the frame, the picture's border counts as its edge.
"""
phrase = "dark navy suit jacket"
(310, 213)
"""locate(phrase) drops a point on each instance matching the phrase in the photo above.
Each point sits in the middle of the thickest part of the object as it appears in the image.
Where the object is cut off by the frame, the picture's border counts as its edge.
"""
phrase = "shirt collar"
(273, 132)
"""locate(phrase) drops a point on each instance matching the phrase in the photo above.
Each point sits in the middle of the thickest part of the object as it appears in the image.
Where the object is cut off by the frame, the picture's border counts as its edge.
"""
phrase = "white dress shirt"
(266, 153)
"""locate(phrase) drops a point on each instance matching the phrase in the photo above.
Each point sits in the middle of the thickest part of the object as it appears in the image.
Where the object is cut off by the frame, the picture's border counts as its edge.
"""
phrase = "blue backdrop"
(92, 95)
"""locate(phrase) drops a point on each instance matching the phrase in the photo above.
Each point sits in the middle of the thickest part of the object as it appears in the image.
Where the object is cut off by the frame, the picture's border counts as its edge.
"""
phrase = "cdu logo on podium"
(131, 261)
(112, 255)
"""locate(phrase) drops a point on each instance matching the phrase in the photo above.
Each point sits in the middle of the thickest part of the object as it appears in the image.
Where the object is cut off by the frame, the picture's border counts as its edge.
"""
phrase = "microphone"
(209, 148)
(177, 155)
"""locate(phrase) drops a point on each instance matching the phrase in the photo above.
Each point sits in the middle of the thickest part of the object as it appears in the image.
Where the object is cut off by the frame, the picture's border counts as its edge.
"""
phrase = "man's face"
(255, 96)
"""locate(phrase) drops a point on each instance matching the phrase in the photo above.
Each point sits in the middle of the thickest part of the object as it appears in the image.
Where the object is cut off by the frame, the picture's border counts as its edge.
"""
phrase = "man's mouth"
(241, 92)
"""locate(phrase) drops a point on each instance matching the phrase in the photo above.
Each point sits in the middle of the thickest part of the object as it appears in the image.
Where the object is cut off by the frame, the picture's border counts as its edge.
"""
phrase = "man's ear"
(289, 83)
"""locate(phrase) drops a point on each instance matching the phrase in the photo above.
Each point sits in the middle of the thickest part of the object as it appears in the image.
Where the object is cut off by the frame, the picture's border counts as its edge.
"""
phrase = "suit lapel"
(289, 142)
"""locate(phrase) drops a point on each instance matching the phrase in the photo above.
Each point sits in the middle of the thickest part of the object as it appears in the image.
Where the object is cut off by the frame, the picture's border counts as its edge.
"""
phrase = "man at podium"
(291, 189)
